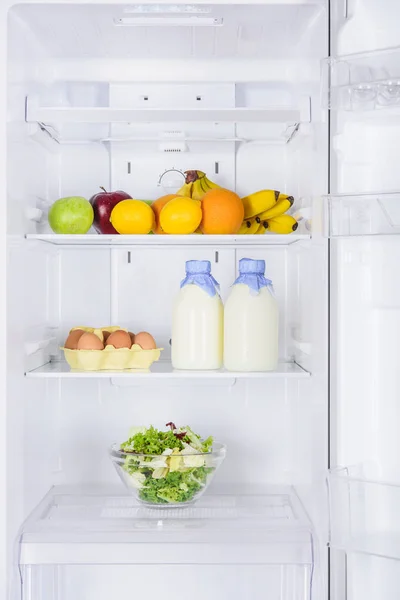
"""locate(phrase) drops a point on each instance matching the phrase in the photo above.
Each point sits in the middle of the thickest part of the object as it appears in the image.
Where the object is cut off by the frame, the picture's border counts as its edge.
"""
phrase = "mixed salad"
(167, 467)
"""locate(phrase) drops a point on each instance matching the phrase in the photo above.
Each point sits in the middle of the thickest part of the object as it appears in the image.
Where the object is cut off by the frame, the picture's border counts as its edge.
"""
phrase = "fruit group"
(132, 217)
(223, 212)
(181, 216)
(71, 215)
(103, 204)
(157, 207)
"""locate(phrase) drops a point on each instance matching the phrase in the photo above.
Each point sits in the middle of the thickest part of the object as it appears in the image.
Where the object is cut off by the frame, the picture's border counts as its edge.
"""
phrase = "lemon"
(181, 215)
(132, 216)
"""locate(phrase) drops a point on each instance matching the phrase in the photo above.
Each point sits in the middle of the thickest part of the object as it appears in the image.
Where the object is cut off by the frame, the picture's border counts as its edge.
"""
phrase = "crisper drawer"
(98, 542)
(364, 512)
(168, 582)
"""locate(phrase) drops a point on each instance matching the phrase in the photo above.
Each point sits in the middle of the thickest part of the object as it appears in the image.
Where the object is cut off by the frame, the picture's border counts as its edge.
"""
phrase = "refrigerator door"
(362, 217)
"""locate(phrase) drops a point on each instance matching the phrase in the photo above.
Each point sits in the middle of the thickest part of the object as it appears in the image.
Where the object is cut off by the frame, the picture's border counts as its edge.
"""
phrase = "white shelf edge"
(163, 370)
(68, 114)
(168, 240)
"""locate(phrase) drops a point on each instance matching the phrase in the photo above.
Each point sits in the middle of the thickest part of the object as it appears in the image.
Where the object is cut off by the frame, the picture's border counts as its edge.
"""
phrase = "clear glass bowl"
(161, 480)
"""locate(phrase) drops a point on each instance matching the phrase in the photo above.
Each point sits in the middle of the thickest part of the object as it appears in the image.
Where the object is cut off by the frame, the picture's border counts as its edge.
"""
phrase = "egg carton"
(110, 359)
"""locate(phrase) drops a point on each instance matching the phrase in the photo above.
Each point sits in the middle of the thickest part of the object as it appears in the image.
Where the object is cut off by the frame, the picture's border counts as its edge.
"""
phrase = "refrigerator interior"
(73, 72)
(80, 78)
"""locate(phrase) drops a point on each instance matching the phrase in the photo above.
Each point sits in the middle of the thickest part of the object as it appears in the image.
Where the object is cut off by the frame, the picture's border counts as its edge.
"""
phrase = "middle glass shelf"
(163, 370)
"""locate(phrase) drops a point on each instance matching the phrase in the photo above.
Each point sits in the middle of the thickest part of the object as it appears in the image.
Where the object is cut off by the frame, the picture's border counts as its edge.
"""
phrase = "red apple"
(103, 203)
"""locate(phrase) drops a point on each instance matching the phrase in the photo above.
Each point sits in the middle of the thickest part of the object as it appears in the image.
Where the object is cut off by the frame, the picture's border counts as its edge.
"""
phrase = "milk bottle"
(251, 321)
(197, 321)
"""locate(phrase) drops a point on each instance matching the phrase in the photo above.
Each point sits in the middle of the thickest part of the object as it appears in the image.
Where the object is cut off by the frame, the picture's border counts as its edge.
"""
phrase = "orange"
(223, 212)
(157, 207)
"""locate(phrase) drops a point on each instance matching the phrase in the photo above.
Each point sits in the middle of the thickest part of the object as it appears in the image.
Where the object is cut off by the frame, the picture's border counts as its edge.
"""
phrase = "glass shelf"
(364, 512)
(163, 370)
(95, 240)
(365, 81)
(105, 526)
(166, 129)
(361, 214)
(72, 114)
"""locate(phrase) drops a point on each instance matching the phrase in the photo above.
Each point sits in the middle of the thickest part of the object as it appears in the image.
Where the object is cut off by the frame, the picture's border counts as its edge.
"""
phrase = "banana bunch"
(264, 210)
(196, 185)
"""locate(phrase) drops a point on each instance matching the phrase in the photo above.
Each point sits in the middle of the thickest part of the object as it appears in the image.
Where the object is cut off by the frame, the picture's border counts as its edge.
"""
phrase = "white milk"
(251, 329)
(197, 329)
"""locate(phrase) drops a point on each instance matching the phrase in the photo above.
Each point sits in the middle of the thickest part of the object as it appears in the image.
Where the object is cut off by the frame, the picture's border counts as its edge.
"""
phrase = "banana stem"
(192, 176)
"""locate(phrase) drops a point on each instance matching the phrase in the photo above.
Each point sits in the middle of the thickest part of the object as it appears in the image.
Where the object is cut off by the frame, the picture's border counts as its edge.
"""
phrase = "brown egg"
(132, 336)
(90, 341)
(73, 338)
(119, 339)
(145, 341)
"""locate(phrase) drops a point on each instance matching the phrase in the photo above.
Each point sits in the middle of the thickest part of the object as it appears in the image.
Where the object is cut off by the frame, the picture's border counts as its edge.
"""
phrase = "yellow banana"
(209, 184)
(198, 193)
(256, 203)
(200, 184)
(248, 226)
(185, 190)
(283, 204)
(282, 224)
(262, 228)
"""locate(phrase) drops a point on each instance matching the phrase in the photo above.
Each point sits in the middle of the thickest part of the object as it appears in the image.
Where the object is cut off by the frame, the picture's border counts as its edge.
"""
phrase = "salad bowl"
(168, 476)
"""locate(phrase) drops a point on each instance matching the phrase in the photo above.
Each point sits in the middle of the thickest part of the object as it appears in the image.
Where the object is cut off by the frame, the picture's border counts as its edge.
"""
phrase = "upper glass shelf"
(170, 128)
(95, 240)
(364, 81)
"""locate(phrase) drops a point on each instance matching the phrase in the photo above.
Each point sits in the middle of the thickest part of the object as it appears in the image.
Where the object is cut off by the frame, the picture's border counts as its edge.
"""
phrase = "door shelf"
(94, 525)
(94, 240)
(364, 512)
(365, 81)
(361, 214)
(163, 370)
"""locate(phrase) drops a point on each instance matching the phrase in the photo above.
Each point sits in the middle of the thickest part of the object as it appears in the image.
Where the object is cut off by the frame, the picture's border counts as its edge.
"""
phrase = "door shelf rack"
(361, 214)
(364, 81)
(364, 515)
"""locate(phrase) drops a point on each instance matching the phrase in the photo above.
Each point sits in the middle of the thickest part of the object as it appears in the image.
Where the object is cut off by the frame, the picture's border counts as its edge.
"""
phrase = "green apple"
(71, 215)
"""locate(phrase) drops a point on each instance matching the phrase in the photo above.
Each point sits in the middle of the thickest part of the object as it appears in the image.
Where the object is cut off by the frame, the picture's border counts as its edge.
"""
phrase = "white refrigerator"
(301, 96)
